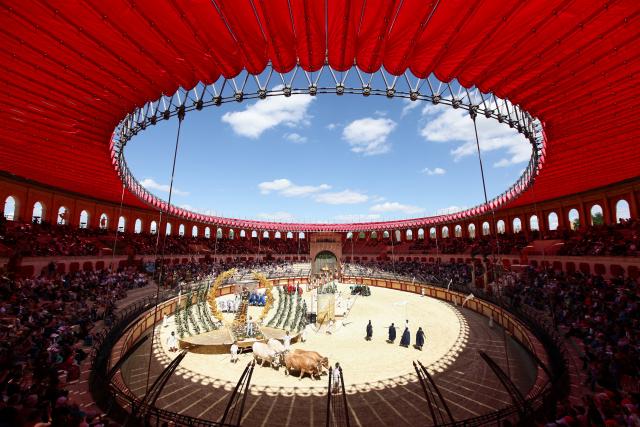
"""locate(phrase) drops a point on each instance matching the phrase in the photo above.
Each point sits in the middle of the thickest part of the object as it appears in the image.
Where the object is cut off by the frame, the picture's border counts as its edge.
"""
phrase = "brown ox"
(301, 363)
(323, 361)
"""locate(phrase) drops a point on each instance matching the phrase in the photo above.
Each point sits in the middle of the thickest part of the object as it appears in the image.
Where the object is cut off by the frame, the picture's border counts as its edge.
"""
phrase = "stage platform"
(220, 340)
(212, 342)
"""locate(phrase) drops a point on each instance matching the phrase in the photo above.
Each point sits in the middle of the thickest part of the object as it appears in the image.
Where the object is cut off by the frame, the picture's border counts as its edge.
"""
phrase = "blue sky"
(327, 158)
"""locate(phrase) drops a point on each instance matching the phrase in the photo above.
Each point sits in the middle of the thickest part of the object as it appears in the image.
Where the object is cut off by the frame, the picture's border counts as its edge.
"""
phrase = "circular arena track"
(381, 385)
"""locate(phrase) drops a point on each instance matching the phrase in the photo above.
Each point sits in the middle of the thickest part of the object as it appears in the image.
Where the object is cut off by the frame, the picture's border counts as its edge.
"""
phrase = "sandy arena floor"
(382, 387)
(363, 362)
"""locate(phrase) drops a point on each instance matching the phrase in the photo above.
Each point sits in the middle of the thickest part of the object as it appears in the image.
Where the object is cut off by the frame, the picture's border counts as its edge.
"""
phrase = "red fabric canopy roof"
(71, 69)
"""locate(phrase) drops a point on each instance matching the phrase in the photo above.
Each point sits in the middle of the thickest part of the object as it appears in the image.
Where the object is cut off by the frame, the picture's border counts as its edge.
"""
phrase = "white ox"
(276, 345)
(264, 353)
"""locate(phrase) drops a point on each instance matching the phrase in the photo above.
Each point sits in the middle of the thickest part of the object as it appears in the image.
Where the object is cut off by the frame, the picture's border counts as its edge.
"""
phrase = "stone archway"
(327, 244)
(325, 261)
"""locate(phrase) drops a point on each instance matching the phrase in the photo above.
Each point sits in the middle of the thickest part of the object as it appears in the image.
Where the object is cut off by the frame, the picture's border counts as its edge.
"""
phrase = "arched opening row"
(573, 220)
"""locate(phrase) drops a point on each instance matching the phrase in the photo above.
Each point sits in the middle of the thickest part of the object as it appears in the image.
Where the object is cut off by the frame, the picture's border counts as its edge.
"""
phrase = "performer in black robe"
(369, 331)
(392, 333)
(419, 339)
(406, 338)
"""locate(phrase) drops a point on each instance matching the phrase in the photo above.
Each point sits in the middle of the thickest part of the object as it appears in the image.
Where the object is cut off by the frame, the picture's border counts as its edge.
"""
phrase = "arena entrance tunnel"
(298, 82)
(325, 261)
(476, 397)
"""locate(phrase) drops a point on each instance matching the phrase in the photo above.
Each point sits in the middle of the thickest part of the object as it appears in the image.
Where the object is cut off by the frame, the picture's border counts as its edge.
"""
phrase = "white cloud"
(380, 113)
(448, 125)
(450, 210)
(408, 106)
(332, 126)
(396, 207)
(295, 138)
(345, 197)
(357, 218)
(198, 210)
(434, 171)
(275, 185)
(276, 216)
(286, 188)
(151, 184)
(369, 135)
(269, 113)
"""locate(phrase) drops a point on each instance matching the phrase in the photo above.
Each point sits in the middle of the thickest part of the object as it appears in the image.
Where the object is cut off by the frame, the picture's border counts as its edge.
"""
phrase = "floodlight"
(391, 92)
(313, 90)
(262, 93)
(339, 89)
(287, 91)
(199, 104)
(414, 95)
(238, 96)
(366, 90)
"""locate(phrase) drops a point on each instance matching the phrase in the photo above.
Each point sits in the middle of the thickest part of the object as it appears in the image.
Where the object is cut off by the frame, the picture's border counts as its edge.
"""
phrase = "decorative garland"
(177, 314)
(196, 328)
(268, 286)
(296, 318)
(188, 318)
(201, 319)
(289, 312)
(303, 317)
(213, 305)
(279, 310)
(185, 313)
(205, 308)
(285, 310)
(329, 288)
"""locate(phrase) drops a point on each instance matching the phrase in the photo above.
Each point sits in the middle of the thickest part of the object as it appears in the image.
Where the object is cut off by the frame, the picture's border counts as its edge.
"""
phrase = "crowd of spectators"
(622, 239)
(44, 239)
(46, 328)
(184, 272)
(46, 323)
(506, 244)
(438, 273)
(25, 239)
(603, 316)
